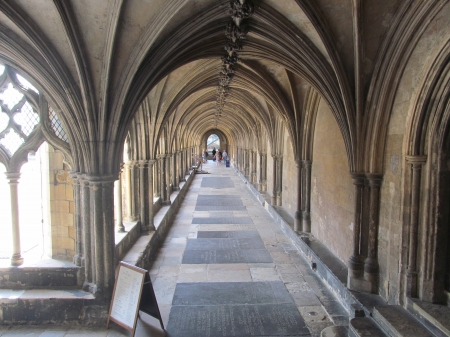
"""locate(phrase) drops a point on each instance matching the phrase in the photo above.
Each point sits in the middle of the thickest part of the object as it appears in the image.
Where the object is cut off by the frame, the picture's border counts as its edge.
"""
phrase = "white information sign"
(126, 296)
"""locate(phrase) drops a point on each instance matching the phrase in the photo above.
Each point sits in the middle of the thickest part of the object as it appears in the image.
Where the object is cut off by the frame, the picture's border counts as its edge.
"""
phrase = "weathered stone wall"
(331, 187)
(60, 241)
(392, 236)
(290, 176)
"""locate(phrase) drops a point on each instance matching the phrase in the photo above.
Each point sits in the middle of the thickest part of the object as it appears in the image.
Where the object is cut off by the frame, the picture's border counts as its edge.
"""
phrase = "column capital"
(416, 159)
(374, 179)
(143, 164)
(13, 177)
(96, 179)
(358, 178)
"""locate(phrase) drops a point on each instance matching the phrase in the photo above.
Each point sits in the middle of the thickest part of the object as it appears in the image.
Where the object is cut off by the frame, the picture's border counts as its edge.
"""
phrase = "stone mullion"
(120, 228)
(151, 215)
(143, 195)
(13, 180)
(306, 216)
(280, 181)
(275, 181)
(416, 163)
(77, 260)
(355, 270)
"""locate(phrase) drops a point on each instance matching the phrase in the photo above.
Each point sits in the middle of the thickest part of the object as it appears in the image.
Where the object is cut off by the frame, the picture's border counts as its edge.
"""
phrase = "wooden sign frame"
(126, 296)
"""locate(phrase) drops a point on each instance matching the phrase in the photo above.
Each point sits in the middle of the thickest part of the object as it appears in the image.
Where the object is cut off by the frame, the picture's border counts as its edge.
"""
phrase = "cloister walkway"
(226, 269)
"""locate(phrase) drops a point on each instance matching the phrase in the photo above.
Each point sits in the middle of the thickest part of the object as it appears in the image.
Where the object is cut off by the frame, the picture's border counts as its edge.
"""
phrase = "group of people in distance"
(217, 156)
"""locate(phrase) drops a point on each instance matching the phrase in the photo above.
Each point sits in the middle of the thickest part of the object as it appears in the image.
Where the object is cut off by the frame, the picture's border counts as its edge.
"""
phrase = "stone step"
(396, 321)
(334, 331)
(434, 316)
(364, 327)
(40, 306)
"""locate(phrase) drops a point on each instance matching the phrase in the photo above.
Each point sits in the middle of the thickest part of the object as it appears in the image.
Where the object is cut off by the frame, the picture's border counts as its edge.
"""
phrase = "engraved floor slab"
(236, 320)
(220, 208)
(219, 200)
(219, 221)
(228, 234)
(214, 293)
(224, 243)
(226, 256)
(217, 182)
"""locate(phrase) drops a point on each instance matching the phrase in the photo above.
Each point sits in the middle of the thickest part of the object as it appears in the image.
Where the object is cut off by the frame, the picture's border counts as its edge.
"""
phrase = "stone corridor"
(226, 269)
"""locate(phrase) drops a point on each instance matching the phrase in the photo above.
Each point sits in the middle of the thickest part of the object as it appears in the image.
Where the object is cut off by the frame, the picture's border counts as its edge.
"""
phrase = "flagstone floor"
(227, 269)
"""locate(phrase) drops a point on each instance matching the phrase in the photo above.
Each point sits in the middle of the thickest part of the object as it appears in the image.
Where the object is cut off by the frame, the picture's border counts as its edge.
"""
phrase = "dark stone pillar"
(306, 217)
(175, 176)
(151, 223)
(371, 267)
(264, 172)
(144, 195)
(416, 163)
(279, 176)
(135, 190)
(88, 235)
(355, 265)
(77, 259)
(298, 212)
(275, 181)
(165, 169)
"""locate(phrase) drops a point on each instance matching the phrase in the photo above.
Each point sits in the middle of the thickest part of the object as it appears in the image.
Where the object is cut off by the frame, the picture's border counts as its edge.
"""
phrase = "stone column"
(77, 259)
(143, 195)
(157, 177)
(280, 181)
(102, 226)
(181, 166)
(120, 228)
(371, 267)
(275, 181)
(167, 182)
(13, 177)
(254, 160)
(128, 186)
(416, 163)
(306, 217)
(135, 189)
(88, 235)
(151, 215)
(298, 212)
(175, 177)
(162, 178)
(264, 172)
(355, 265)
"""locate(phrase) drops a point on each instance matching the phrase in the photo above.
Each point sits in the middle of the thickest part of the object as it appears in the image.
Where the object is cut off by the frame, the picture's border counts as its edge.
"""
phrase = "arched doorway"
(213, 143)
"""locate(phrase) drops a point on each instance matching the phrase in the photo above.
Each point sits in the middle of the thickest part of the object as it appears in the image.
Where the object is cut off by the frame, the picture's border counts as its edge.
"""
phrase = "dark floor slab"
(217, 182)
(224, 243)
(228, 234)
(226, 256)
(236, 320)
(220, 208)
(219, 200)
(221, 221)
(221, 293)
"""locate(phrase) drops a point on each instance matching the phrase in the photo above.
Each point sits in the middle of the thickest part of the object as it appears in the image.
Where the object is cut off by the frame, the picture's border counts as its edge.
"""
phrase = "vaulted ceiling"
(97, 61)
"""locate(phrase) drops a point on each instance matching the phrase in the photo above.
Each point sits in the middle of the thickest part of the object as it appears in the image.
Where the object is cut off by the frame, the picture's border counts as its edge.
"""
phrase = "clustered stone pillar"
(279, 177)
(97, 195)
(416, 163)
(129, 192)
(355, 265)
(253, 172)
(371, 267)
(175, 177)
(306, 216)
(120, 228)
(78, 258)
(13, 178)
(143, 195)
(298, 212)
(274, 182)
(246, 164)
(135, 190)
(151, 223)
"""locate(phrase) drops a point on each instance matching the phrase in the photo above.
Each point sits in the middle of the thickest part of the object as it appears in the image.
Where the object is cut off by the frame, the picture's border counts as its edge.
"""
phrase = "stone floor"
(226, 269)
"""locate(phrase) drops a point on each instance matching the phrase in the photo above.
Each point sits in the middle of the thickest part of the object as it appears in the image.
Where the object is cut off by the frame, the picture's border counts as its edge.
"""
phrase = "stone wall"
(392, 235)
(331, 187)
(60, 232)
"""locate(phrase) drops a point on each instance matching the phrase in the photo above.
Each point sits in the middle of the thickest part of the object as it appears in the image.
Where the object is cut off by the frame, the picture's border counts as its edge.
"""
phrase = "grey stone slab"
(214, 293)
(224, 243)
(217, 182)
(223, 220)
(236, 320)
(219, 208)
(228, 234)
(226, 256)
(334, 308)
(219, 200)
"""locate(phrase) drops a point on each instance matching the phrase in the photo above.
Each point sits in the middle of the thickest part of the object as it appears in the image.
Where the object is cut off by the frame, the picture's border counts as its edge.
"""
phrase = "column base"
(360, 284)
(16, 260)
(166, 203)
(306, 222)
(411, 284)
